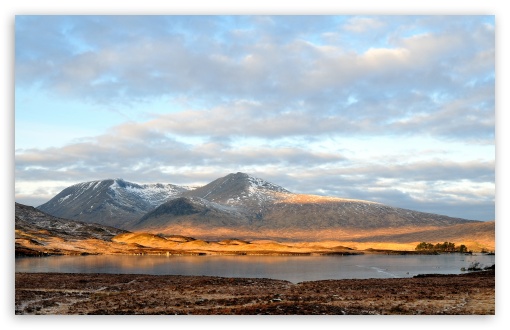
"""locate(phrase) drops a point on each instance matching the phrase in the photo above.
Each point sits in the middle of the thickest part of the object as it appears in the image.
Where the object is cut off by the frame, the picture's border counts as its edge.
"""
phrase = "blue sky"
(393, 109)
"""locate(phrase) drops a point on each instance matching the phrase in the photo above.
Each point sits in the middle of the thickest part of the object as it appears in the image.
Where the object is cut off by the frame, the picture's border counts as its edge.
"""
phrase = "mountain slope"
(310, 211)
(191, 212)
(116, 203)
(476, 231)
(239, 205)
(37, 233)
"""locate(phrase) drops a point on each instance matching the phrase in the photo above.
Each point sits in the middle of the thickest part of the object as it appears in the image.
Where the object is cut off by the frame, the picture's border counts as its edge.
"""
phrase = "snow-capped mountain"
(235, 200)
(112, 202)
(230, 206)
(239, 204)
(241, 190)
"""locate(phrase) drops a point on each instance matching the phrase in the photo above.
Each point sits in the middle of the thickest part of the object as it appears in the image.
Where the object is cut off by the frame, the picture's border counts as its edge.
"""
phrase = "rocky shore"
(120, 294)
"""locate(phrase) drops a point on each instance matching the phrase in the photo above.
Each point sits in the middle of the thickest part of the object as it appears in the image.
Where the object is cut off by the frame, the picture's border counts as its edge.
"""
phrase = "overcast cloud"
(395, 109)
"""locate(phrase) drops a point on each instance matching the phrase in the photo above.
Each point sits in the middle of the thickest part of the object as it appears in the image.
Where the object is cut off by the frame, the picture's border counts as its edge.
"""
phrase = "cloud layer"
(287, 98)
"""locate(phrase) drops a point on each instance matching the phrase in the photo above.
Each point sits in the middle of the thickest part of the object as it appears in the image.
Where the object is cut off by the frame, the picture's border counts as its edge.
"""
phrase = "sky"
(397, 109)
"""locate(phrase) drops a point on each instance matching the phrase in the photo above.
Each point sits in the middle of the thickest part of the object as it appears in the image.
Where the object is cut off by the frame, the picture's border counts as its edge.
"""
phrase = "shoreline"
(25, 252)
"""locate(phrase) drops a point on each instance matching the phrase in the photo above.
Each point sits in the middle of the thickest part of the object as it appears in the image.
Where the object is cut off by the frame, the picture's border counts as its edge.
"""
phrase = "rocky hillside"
(40, 233)
(115, 203)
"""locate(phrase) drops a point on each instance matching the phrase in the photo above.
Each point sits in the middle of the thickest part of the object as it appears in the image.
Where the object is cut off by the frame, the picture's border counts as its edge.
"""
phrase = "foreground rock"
(57, 293)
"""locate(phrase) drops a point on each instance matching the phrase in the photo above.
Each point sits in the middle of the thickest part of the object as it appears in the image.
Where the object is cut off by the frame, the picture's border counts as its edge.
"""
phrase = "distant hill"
(112, 202)
(38, 232)
(29, 218)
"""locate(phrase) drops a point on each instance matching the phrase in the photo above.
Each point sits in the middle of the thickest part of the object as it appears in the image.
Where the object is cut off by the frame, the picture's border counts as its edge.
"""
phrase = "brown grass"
(72, 294)
(475, 236)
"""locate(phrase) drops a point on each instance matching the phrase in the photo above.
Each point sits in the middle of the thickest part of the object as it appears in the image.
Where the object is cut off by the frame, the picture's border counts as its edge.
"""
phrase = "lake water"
(291, 268)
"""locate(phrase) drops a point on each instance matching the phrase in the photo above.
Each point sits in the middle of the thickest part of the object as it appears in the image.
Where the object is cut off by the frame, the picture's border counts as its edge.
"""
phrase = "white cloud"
(287, 98)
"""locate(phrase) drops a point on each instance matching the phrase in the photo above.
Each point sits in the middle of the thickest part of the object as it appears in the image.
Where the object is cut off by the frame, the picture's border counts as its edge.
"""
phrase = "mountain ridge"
(113, 202)
(236, 203)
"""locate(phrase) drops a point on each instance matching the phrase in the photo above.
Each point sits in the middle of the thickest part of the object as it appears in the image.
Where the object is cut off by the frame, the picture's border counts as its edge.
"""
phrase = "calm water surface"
(290, 268)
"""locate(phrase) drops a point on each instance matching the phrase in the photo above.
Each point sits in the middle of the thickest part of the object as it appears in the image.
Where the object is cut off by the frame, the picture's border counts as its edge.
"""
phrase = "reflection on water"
(290, 268)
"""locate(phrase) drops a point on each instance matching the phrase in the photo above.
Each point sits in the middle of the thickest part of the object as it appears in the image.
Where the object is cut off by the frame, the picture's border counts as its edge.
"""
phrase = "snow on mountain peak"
(152, 193)
(256, 183)
(254, 191)
(265, 185)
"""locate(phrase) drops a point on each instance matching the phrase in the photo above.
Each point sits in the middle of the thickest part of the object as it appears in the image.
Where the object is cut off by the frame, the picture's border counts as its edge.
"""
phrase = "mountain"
(110, 202)
(236, 205)
(239, 189)
(234, 201)
(240, 193)
(242, 206)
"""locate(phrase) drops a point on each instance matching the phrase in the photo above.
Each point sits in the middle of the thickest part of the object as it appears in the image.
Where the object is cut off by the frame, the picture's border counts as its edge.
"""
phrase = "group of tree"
(441, 247)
